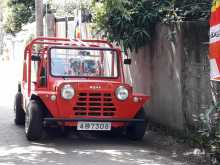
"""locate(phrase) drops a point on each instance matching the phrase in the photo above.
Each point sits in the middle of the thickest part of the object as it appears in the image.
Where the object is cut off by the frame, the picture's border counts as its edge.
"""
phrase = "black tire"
(18, 110)
(136, 130)
(34, 121)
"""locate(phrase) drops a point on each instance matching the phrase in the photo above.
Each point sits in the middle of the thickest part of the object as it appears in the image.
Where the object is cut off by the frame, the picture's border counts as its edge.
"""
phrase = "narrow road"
(78, 148)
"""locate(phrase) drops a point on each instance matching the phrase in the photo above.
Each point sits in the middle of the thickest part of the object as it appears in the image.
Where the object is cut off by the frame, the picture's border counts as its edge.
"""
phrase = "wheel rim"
(27, 121)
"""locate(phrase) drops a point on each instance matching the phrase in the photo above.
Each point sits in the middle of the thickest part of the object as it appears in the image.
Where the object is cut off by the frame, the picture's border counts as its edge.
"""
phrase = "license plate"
(97, 126)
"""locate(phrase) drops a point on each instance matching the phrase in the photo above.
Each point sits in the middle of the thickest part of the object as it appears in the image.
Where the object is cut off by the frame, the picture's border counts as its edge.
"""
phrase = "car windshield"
(84, 62)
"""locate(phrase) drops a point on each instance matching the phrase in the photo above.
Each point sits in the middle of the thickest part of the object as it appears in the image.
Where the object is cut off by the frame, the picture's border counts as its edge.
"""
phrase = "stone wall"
(174, 70)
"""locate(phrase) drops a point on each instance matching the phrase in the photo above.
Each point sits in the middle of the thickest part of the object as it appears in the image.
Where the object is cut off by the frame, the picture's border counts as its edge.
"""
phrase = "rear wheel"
(136, 130)
(34, 121)
(18, 110)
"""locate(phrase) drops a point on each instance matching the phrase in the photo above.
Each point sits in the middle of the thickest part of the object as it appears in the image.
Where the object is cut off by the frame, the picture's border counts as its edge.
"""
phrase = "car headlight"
(121, 93)
(67, 92)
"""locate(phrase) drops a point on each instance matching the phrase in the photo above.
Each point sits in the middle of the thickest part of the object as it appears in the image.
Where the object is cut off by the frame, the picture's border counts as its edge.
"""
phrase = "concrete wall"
(173, 69)
(196, 84)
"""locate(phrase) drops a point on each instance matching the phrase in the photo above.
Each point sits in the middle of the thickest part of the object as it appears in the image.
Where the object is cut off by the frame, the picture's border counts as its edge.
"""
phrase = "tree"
(132, 22)
(19, 12)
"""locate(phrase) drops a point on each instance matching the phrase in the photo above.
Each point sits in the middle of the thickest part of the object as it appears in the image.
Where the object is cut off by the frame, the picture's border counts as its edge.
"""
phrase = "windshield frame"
(84, 48)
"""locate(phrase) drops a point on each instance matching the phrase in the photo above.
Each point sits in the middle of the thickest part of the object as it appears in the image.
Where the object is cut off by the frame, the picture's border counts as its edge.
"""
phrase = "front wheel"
(136, 130)
(33, 121)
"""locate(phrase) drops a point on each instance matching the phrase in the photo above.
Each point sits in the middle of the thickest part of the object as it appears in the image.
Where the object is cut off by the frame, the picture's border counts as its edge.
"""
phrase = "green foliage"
(190, 10)
(208, 135)
(132, 22)
(19, 13)
(129, 21)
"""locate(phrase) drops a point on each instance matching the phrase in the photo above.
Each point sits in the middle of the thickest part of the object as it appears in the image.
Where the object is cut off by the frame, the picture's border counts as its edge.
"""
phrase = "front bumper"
(63, 120)
(116, 122)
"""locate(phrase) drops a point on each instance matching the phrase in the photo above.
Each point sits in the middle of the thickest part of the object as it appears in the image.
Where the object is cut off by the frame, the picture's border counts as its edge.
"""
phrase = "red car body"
(95, 97)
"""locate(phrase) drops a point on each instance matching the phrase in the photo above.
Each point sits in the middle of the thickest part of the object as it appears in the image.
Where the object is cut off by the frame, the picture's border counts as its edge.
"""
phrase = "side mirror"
(127, 61)
(35, 58)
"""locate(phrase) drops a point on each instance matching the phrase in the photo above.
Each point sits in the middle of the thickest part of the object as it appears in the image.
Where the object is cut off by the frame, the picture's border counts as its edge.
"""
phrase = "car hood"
(89, 84)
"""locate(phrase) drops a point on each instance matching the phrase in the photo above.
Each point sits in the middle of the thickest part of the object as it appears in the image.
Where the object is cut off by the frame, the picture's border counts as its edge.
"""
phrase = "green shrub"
(208, 135)
(132, 22)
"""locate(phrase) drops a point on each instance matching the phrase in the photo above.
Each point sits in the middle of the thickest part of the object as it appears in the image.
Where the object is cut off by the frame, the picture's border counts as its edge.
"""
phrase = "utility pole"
(39, 18)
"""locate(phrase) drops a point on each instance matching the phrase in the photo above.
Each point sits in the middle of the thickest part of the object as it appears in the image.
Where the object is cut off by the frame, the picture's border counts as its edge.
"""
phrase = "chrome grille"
(94, 104)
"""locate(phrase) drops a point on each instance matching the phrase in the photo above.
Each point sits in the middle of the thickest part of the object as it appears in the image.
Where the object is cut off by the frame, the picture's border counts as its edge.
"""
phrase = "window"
(84, 63)
(34, 68)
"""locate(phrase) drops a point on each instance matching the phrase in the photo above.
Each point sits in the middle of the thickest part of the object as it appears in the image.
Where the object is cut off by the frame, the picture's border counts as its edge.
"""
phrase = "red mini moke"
(77, 84)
